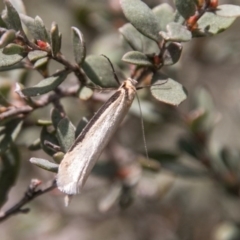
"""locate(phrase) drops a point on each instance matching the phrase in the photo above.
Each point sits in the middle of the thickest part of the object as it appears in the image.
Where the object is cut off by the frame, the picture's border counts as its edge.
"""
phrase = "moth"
(85, 151)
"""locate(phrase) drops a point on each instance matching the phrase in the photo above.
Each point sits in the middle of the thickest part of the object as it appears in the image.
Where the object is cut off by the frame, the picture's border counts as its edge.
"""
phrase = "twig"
(42, 102)
(75, 68)
(29, 195)
(59, 57)
(13, 111)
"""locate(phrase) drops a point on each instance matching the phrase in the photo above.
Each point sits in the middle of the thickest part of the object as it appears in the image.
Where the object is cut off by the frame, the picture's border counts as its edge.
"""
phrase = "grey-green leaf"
(9, 60)
(2, 23)
(141, 17)
(19, 65)
(172, 53)
(79, 48)
(41, 63)
(36, 55)
(137, 41)
(228, 10)
(65, 134)
(7, 37)
(132, 36)
(19, 6)
(212, 24)
(186, 8)
(9, 168)
(164, 14)
(36, 27)
(81, 125)
(55, 38)
(176, 32)
(11, 17)
(30, 24)
(85, 93)
(178, 18)
(167, 90)
(45, 86)
(137, 58)
(9, 134)
(45, 164)
(99, 71)
(56, 117)
(40, 30)
(49, 137)
(12, 49)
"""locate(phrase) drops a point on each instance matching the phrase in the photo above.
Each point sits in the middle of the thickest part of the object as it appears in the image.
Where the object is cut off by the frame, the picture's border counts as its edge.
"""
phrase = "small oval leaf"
(141, 17)
(170, 92)
(85, 93)
(137, 58)
(81, 125)
(9, 168)
(172, 53)
(2, 23)
(9, 60)
(19, 6)
(99, 71)
(79, 48)
(13, 48)
(56, 117)
(65, 134)
(186, 8)
(40, 30)
(7, 37)
(132, 36)
(55, 39)
(11, 17)
(176, 33)
(30, 24)
(9, 134)
(41, 64)
(164, 14)
(45, 86)
(138, 41)
(212, 24)
(45, 164)
(228, 10)
(36, 55)
(48, 137)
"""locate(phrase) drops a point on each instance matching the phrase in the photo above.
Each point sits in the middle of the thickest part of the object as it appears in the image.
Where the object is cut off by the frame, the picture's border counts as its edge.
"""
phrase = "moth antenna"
(159, 84)
(114, 72)
(143, 129)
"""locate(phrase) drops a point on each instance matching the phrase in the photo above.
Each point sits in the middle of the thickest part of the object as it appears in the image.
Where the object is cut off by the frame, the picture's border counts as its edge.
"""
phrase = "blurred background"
(191, 191)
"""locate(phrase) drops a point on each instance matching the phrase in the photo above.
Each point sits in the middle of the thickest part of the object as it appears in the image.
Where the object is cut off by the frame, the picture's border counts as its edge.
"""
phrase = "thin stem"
(75, 68)
(29, 195)
(42, 102)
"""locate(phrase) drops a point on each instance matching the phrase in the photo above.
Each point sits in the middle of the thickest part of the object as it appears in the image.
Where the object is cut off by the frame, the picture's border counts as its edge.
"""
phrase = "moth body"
(84, 153)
